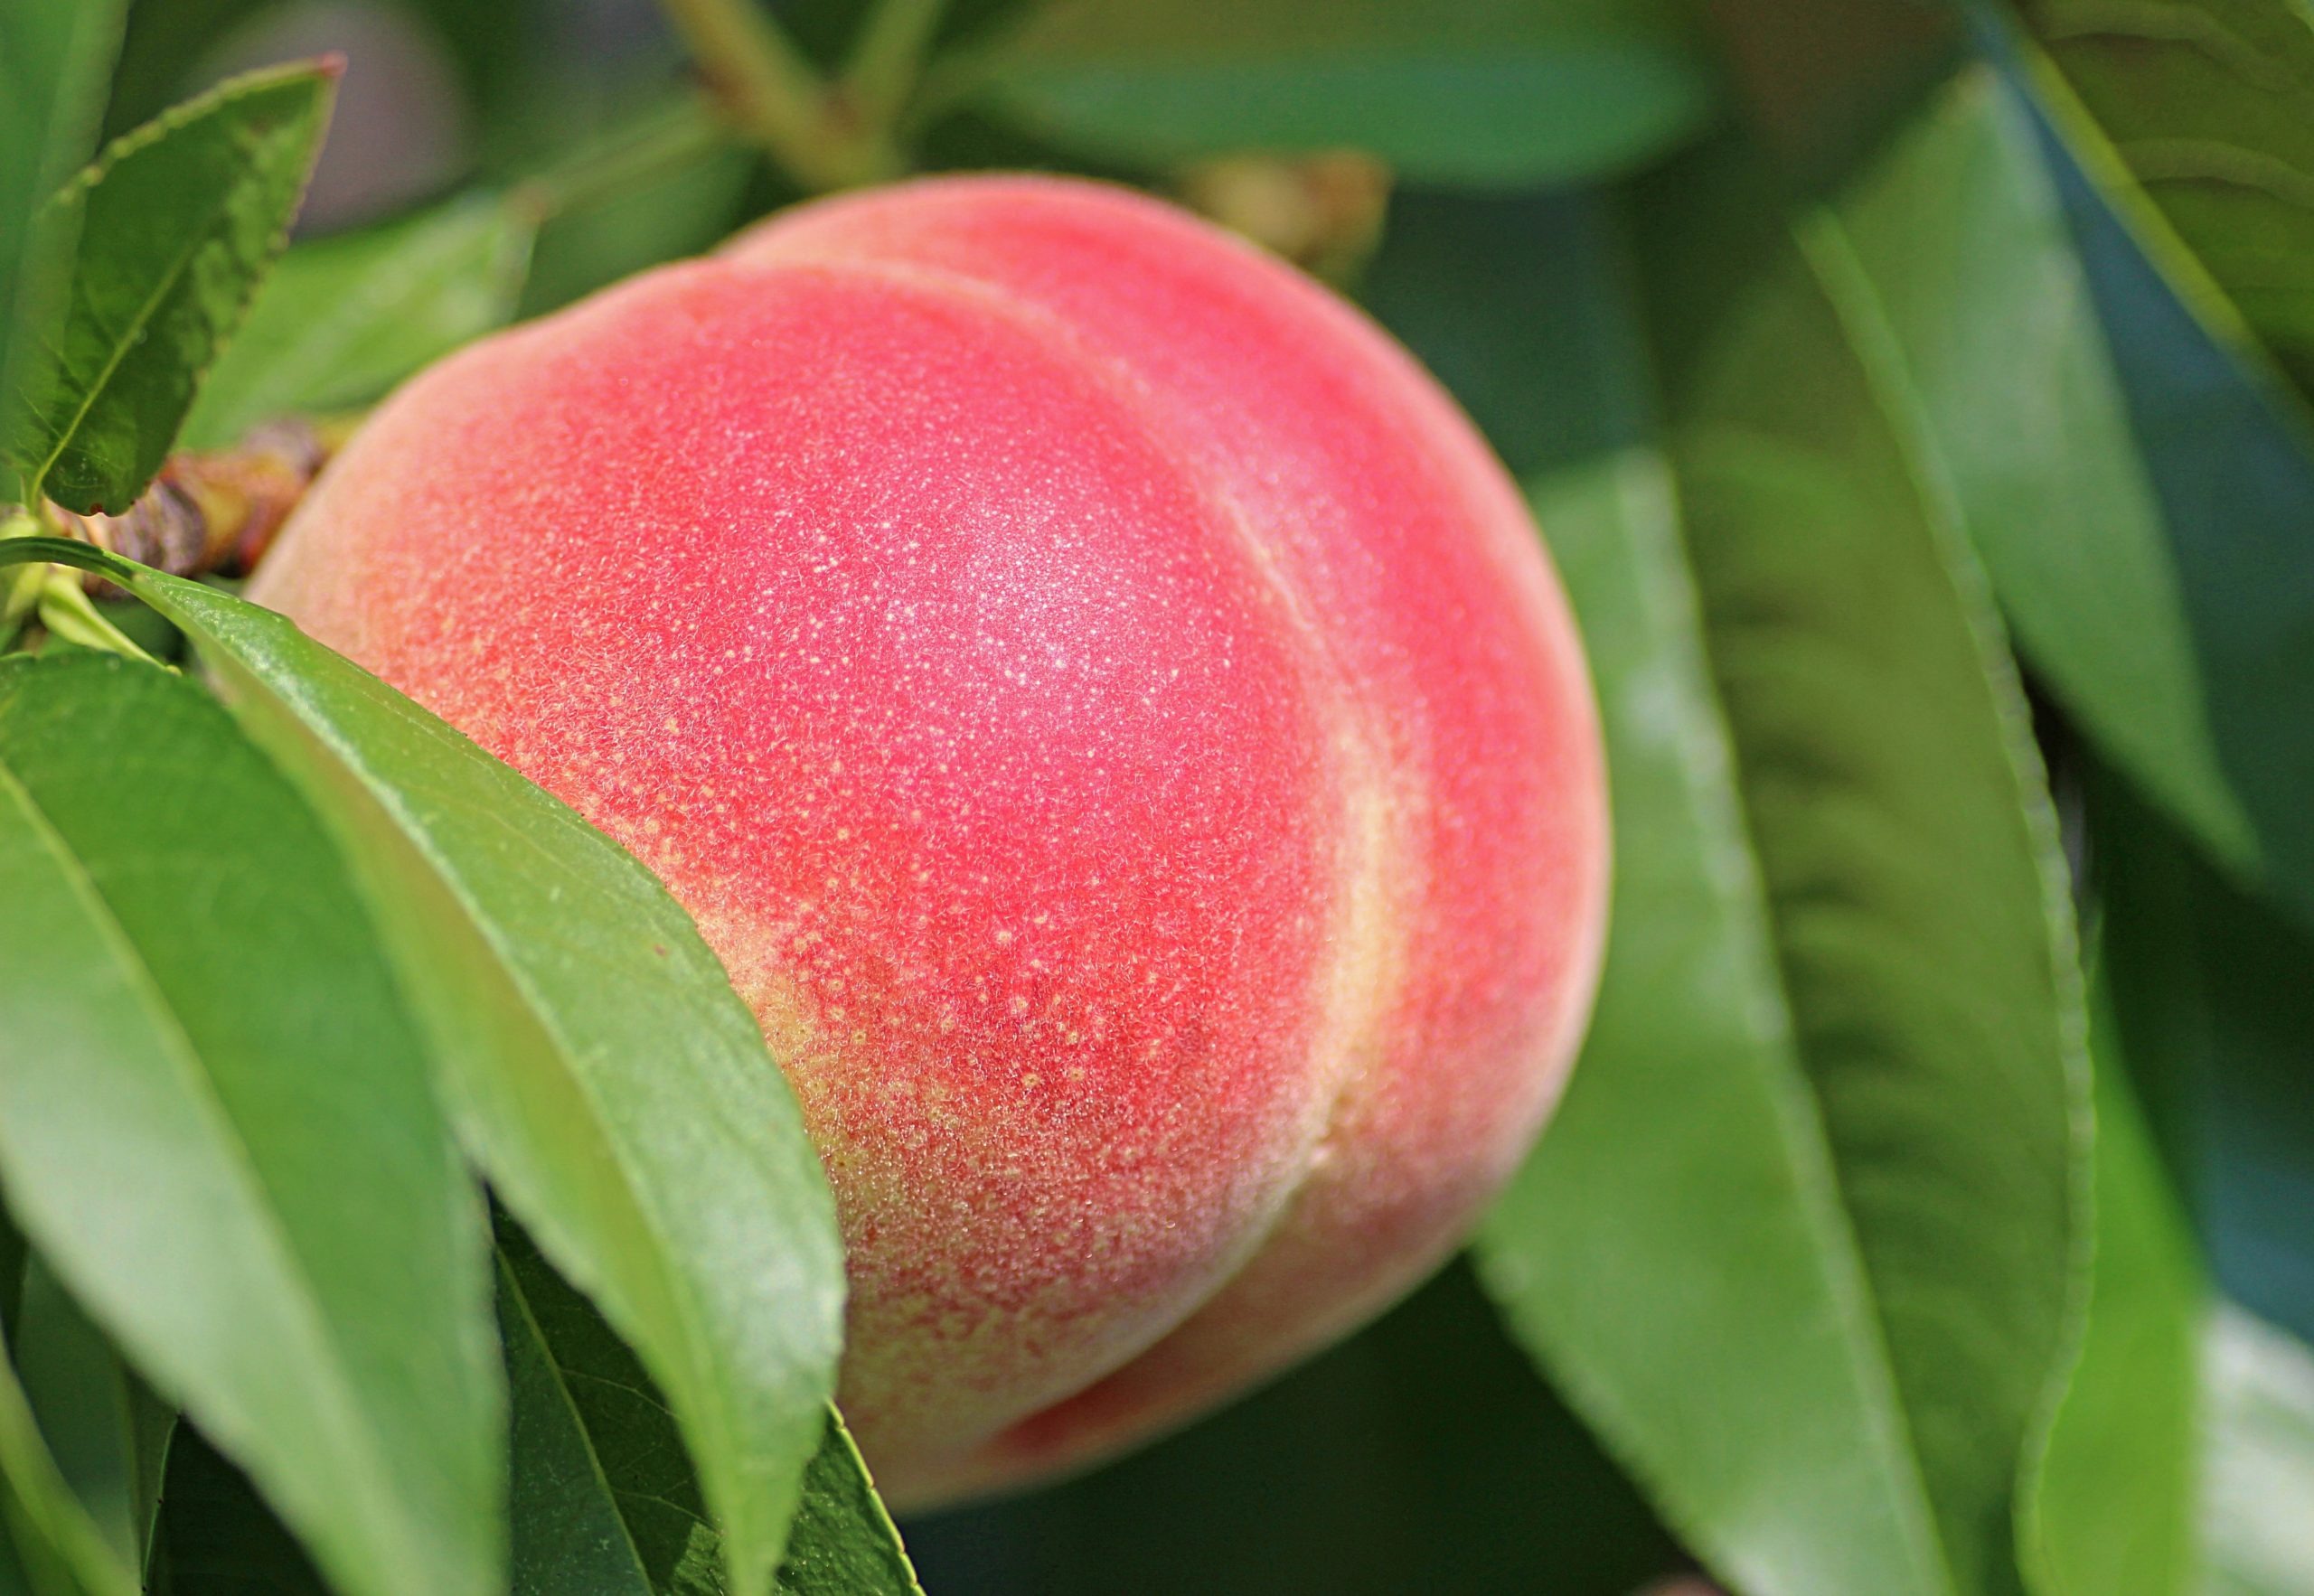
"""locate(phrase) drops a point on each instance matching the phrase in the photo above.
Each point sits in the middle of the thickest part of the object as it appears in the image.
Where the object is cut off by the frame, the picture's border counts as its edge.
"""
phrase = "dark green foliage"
(1420, 1455)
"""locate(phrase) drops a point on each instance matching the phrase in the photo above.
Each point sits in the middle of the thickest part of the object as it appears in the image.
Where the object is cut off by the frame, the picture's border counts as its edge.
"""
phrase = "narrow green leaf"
(613, 1087)
(2209, 104)
(343, 319)
(54, 57)
(61, 1551)
(2229, 443)
(2261, 1476)
(176, 224)
(2115, 1507)
(1499, 92)
(50, 1546)
(2213, 1008)
(605, 1500)
(1951, 259)
(1834, 1185)
(216, 1127)
(1908, 859)
(109, 1436)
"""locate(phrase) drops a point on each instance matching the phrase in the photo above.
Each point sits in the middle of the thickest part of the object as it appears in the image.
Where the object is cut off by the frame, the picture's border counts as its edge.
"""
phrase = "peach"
(1109, 711)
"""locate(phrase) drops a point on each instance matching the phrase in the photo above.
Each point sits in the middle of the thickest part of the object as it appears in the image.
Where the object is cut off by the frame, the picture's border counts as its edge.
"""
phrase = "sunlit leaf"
(216, 1127)
(53, 58)
(612, 1084)
(175, 225)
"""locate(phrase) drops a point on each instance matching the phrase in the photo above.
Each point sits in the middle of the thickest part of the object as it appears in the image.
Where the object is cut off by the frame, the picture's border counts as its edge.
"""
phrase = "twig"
(888, 59)
(774, 95)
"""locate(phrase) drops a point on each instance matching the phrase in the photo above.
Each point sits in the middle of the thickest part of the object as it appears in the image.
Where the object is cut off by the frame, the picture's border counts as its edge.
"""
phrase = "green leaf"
(343, 319)
(12, 1257)
(613, 1086)
(1803, 1242)
(2209, 106)
(2261, 1476)
(657, 184)
(2213, 1008)
(844, 1544)
(109, 1436)
(2116, 1505)
(60, 1550)
(218, 1536)
(50, 1544)
(1498, 92)
(1952, 264)
(1911, 878)
(2229, 445)
(176, 224)
(54, 56)
(605, 1500)
(215, 1123)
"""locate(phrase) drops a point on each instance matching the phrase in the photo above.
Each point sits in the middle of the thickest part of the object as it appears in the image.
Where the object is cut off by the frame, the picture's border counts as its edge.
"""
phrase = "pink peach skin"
(1109, 711)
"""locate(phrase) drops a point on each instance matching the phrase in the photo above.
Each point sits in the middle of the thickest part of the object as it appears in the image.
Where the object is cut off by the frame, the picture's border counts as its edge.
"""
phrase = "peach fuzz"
(1109, 711)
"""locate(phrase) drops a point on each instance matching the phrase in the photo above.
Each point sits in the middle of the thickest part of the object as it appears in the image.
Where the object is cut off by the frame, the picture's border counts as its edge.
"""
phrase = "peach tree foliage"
(395, 1197)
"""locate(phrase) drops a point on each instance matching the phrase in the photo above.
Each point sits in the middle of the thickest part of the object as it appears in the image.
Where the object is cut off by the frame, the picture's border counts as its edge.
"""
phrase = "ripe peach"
(1110, 713)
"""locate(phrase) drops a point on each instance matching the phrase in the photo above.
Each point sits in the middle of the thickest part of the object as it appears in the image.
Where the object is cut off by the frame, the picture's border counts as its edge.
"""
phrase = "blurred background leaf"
(1489, 92)
(2216, 1014)
(2115, 1508)
(2227, 442)
(343, 319)
(2260, 1473)
(52, 1539)
(108, 1435)
(2209, 106)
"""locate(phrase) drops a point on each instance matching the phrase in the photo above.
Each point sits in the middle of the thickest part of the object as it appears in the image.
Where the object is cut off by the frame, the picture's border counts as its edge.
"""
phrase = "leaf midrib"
(520, 1299)
(1807, 1138)
(255, 171)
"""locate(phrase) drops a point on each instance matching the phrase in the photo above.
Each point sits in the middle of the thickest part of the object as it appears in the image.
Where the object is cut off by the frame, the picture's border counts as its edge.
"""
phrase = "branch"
(775, 97)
